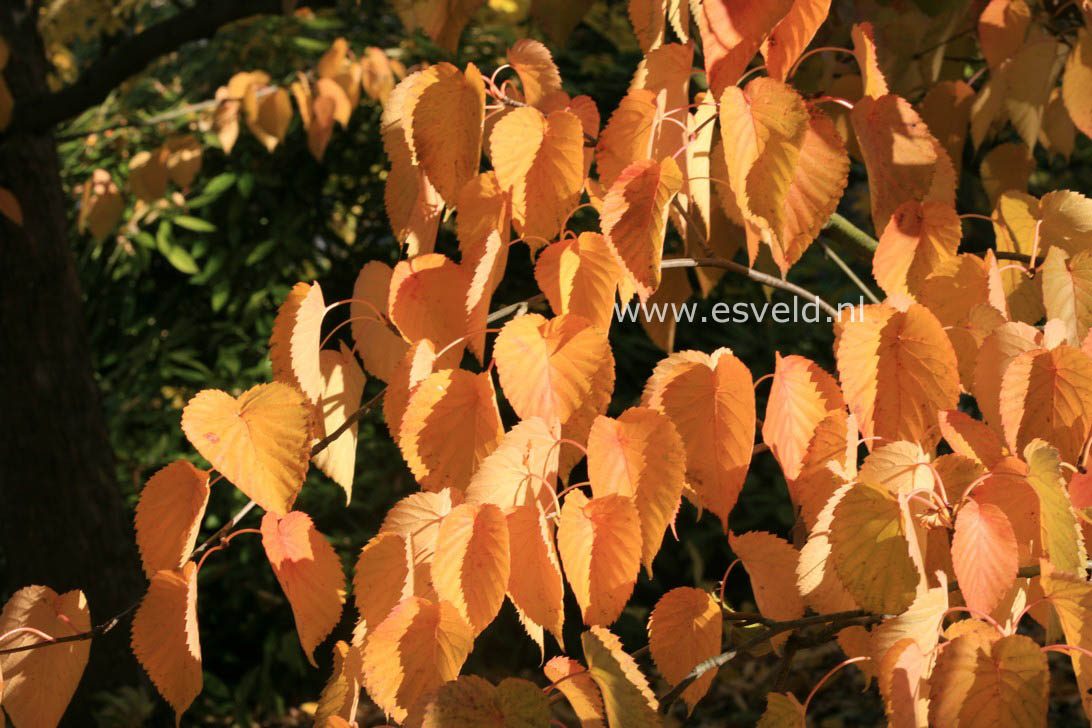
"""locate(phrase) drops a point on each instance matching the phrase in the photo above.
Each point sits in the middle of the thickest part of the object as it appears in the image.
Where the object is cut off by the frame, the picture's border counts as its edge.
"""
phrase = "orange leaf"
(148, 174)
(294, 343)
(580, 275)
(1058, 525)
(818, 581)
(639, 455)
(540, 160)
(897, 369)
(772, 564)
(521, 470)
(731, 34)
(1048, 394)
(904, 161)
(486, 275)
(382, 577)
(376, 341)
(1071, 597)
(168, 516)
(548, 367)
(309, 571)
(535, 585)
(417, 519)
(450, 425)
(574, 682)
(578, 426)
(443, 21)
(996, 353)
(1076, 80)
(447, 127)
(864, 48)
(274, 114)
(416, 649)
(340, 696)
(628, 135)
(967, 436)
(978, 682)
(627, 698)
(473, 572)
(946, 109)
(9, 206)
(791, 36)
(829, 461)
(684, 630)
(428, 301)
(634, 218)
(101, 205)
(165, 637)
(710, 399)
(918, 241)
(37, 685)
(870, 550)
(536, 69)
(1002, 27)
(1067, 291)
(259, 441)
(473, 702)
(783, 710)
(648, 18)
(600, 545)
(984, 555)
(802, 395)
(415, 366)
(343, 387)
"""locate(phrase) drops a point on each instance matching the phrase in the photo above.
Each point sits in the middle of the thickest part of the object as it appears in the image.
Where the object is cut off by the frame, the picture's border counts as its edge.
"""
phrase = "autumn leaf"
(580, 275)
(639, 455)
(627, 698)
(450, 425)
(870, 550)
(984, 555)
(534, 585)
(919, 240)
(428, 301)
(470, 701)
(416, 518)
(343, 387)
(415, 366)
(710, 399)
(383, 577)
(536, 69)
(1067, 291)
(600, 545)
(37, 685)
(970, 437)
(864, 48)
(1075, 82)
(260, 441)
(168, 516)
(309, 572)
(521, 470)
(783, 710)
(446, 127)
(628, 135)
(1059, 530)
(684, 630)
(165, 637)
(473, 572)
(379, 346)
(539, 160)
(1071, 597)
(547, 367)
(574, 682)
(294, 343)
(802, 395)
(1001, 29)
(417, 648)
(791, 36)
(341, 694)
(732, 33)
(772, 565)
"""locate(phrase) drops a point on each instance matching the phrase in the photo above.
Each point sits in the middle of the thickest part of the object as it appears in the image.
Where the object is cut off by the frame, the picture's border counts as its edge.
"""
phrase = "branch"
(93, 632)
(38, 114)
(763, 278)
(845, 233)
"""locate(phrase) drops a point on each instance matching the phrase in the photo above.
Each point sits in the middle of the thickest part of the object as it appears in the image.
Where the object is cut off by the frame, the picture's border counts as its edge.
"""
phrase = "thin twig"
(763, 278)
(848, 271)
(100, 629)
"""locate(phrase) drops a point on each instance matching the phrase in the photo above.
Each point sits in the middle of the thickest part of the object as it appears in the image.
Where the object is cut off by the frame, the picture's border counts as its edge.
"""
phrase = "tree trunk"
(62, 520)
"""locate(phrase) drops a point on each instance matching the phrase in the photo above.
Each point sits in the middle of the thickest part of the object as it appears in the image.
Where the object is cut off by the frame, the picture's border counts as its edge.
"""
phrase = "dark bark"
(62, 520)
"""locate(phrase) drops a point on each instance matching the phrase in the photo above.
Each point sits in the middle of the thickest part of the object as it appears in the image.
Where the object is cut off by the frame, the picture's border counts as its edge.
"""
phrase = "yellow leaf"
(918, 241)
(639, 455)
(897, 369)
(829, 461)
(864, 48)
(38, 684)
(976, 683)
(473, 702)
(447, 127)
(168, 516)
(1075, 83)
(165, 637)
(416, 649)
(537, 71)
(1071, 597)
(473, 571)
(1060, 531)
(1006, 167)
(946, 109)
(627, 698)
(428, 301)
(580, 275)
(417, 519)
(309, 572)
(548, 367)
(183, 159)
(441, 20)
(870, 550)
(341, 694)
(488, 270)
(628, 135)
(417, 364)
(684, 630)
(998, 349)
(294, 343)
(710, 399)
(600, 545)
(648, 18)
(450, 425)
(274, 115)
(535, 585)
(792, 34)
(148, 174)
(260, 441)
(772, 565)
(376, 342)
(802, 395)
(1067, 291)
(574, 682)
(634, 219)
(903, 674)
(343, 387)
(539, 159)
(521, 470)
(383, 577)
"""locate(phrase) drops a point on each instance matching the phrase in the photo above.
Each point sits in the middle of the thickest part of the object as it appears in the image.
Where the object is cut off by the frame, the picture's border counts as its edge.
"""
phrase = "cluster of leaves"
(977, 512)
